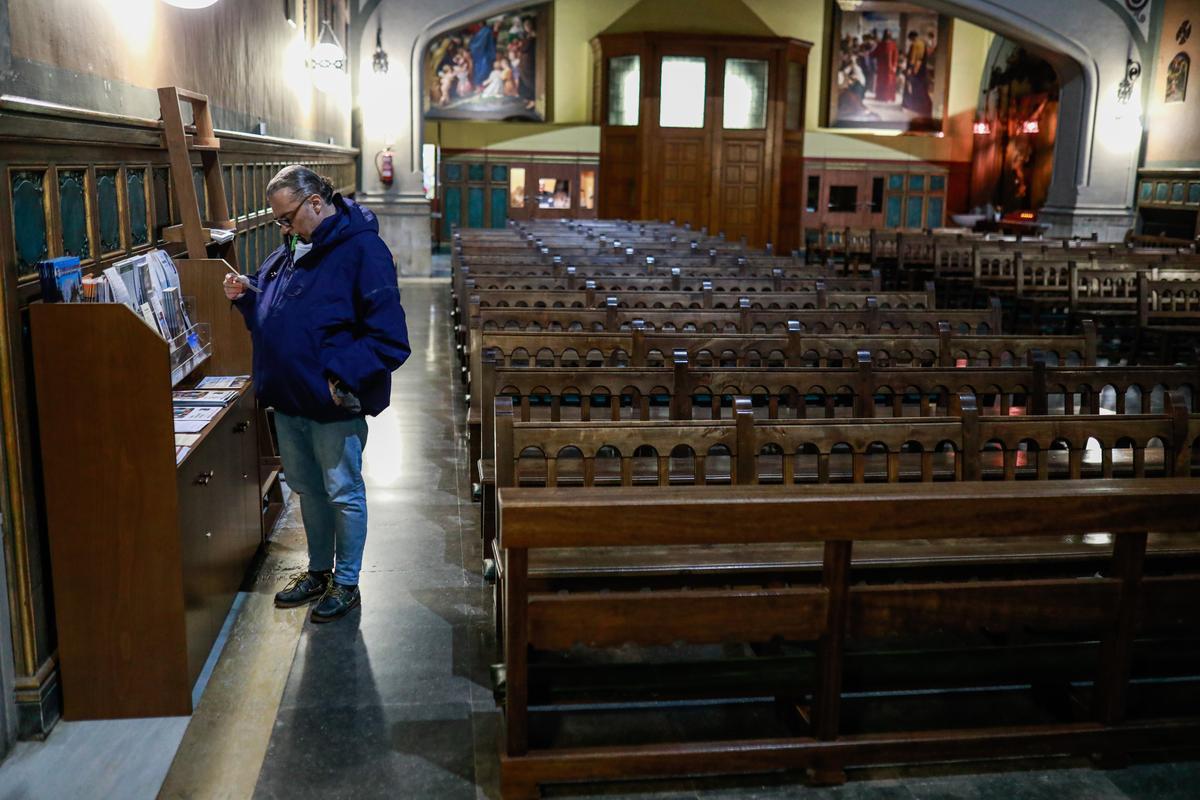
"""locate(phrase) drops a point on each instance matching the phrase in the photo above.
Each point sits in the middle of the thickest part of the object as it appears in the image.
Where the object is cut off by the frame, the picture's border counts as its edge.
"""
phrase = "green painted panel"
(239, 192)
(499, 208)
(896, 182)
(453, 172)
(1160, 192)
(29, 219)
(161, 176)
(500, 172)
(108, 210)
(201, 195)
(916, 183)
(475, 207)
(475, 172)
(242, 254)
(1147, 190)
(892, 214)
(72, 212)
(227, 179)
(1194, 192)
(934, 220)
(1177, 193)
(937, 183)
(451, 209)
(135, 200)
(913, 212)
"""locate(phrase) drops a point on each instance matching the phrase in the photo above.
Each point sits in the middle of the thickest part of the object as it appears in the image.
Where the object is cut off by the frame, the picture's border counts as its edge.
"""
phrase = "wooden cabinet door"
(198, 513)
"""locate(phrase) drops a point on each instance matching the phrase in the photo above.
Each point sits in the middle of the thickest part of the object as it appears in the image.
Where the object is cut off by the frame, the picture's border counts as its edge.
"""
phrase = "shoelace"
(295, 581)
(335, 591)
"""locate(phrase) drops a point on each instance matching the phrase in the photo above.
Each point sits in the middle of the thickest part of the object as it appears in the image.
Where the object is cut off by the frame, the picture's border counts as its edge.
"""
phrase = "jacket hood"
(351, 220)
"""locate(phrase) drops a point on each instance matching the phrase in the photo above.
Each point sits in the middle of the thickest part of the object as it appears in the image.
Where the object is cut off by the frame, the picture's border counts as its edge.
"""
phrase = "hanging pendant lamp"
(327, 61)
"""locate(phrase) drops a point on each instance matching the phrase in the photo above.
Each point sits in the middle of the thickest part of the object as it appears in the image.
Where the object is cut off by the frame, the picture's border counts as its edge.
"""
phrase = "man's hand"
(235, 285)
(337, 401)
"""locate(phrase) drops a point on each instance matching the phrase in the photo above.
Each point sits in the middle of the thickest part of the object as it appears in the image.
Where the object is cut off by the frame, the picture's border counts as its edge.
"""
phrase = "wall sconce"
(1133, 71)
(981, 128)
(379, 62)
(1030, 126)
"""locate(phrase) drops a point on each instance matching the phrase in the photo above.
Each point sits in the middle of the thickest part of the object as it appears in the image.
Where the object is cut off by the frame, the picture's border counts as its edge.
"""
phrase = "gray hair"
(300, 181)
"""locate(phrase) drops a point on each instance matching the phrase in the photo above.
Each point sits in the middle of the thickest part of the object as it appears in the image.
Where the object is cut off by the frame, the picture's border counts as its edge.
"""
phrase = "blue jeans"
(322, 462)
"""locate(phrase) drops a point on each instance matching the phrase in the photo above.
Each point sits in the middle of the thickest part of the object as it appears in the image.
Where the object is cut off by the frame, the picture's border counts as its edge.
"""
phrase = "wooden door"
(742, 173)
(680, 129)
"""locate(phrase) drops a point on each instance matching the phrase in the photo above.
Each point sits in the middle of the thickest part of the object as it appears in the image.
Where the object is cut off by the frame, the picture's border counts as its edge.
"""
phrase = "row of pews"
(747, 513)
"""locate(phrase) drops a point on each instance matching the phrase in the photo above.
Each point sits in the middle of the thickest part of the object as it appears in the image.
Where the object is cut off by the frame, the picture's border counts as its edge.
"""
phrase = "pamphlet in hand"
(193, 397)
(223, 382)
(186, 439)
(181, 453)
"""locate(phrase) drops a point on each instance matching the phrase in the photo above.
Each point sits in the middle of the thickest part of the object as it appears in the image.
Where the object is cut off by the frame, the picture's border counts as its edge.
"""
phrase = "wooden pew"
(830, 612)
(866, 391)
(820, 296)
(796, 348)
(1168, 310)
(745, 319)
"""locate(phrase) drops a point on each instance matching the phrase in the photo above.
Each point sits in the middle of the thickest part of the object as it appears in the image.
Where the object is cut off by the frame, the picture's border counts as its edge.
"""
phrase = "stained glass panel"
(682, 92)
(108, 210)
(201, 196)
(135, 201)
(162, 200)
(624, 89)
(72, 212)
(745, 94)
(29, 218)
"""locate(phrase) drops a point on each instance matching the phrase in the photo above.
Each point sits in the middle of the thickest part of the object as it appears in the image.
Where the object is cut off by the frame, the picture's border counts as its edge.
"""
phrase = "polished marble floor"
(395, 701)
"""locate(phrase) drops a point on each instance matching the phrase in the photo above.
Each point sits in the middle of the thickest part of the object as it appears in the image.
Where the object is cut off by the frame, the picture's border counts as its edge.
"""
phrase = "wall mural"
(493, 69)
(1177, 78)
(889, 66)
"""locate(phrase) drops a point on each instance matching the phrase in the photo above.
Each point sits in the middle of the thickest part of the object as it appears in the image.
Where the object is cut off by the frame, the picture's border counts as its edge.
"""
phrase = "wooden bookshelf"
(146, 556)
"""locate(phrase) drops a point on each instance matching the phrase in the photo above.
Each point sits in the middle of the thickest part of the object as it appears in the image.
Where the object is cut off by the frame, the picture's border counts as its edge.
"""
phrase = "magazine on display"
(194, 397)
(194, 419)
(223, 382)
(61, 280)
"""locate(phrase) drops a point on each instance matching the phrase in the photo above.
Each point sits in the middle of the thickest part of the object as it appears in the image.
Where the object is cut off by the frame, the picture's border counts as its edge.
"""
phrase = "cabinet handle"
(208, 534)
(204, 477)
(242, 426)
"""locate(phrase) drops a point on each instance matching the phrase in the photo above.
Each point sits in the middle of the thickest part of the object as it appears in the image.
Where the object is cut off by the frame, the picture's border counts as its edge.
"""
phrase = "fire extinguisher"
(383, 163)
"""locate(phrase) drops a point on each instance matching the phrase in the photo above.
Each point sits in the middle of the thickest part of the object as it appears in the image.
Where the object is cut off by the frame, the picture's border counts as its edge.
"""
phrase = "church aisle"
(382, 703)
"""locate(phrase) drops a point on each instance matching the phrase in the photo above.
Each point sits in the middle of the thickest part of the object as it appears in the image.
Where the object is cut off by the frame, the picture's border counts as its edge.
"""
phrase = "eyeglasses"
(287, 219)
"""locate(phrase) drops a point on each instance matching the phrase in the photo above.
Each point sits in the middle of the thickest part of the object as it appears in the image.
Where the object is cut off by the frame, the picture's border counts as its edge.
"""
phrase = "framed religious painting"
(888, 67)
(493, 69)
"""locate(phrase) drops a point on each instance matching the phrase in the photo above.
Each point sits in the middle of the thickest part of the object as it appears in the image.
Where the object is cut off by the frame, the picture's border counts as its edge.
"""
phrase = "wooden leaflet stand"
(148, 550)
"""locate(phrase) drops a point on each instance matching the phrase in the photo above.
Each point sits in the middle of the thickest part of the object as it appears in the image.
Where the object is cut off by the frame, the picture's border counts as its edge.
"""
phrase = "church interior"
(787, 399)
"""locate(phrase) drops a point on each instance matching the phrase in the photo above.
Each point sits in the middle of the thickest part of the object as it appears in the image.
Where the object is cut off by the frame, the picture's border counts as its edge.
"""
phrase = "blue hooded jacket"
(333, 314)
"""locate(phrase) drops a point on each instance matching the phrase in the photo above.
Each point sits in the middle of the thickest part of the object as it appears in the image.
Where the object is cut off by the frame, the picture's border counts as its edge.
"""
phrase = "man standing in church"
(328, 329)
